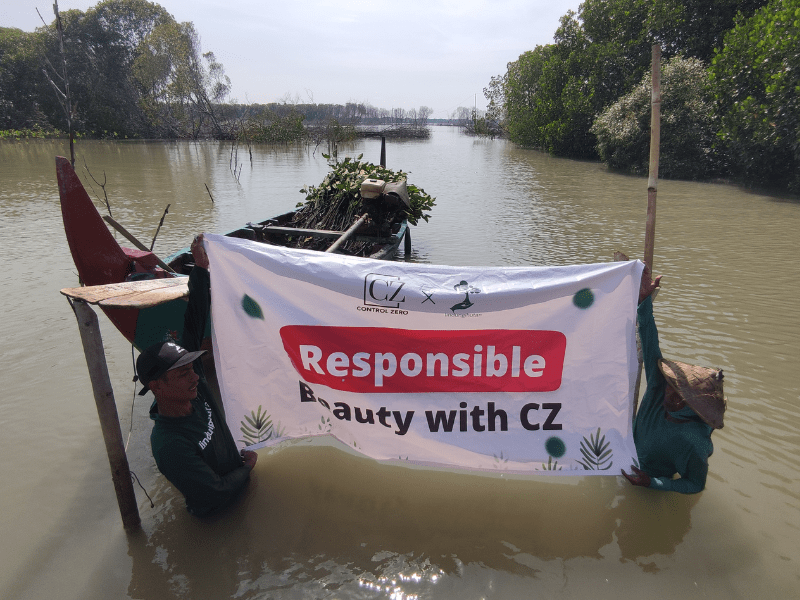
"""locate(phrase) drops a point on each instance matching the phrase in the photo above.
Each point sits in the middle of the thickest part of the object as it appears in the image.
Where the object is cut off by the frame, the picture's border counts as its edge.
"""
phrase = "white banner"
(519, 369)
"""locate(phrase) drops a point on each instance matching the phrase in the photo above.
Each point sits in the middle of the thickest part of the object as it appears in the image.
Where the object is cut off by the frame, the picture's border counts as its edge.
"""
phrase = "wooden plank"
(147, 299)
(321, 233)
(324, 233)
(132, 294)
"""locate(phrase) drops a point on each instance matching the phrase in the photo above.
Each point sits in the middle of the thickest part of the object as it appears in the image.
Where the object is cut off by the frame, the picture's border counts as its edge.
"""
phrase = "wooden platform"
(132, 294)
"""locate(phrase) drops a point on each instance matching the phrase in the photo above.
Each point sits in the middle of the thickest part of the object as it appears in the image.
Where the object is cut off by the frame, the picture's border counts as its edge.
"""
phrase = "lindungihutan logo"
(466, 288)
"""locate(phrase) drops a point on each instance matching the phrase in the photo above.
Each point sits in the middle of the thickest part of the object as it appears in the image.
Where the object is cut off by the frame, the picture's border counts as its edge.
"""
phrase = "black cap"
(160, 358)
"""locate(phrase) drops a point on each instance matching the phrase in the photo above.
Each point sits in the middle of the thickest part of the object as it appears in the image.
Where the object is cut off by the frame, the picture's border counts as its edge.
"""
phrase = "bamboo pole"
(652, 184)
(655, 142)
(347, 234)
(107, 412)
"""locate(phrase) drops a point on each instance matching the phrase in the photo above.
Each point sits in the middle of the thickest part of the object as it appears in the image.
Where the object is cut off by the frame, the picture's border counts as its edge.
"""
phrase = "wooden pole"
(132, 239)
(407, 238)
(655, 141)
(107, 412)
(652, 184)
(160, 223)
(383, 151)
(347, 234)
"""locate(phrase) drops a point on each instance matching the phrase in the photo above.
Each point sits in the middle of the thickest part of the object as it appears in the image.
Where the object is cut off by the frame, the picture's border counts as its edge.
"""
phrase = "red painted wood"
(97, 255)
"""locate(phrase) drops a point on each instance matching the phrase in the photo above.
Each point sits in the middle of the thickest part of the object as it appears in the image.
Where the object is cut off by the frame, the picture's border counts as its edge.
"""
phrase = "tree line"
(730, 88)
(135, 72)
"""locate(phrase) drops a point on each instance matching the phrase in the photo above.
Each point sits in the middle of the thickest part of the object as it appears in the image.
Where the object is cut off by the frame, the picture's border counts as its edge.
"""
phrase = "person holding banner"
(682, 406)
(191, 442)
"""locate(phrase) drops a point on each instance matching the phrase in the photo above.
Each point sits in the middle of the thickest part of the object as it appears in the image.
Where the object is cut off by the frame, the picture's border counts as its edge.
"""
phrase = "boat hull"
(101, 260)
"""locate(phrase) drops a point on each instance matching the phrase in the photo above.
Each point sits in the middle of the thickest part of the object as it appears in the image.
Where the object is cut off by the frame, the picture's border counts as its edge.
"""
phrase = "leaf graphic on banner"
(551, 465)
(252, 308)
(596, 453)
(257, 427)
(500, 459)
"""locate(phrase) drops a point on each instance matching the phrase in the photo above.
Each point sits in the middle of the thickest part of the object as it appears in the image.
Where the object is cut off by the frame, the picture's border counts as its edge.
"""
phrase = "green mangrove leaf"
(252, 308)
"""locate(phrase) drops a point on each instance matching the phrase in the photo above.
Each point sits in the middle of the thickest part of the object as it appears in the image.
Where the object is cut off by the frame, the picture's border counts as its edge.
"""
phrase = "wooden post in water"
(407, 236)
(652, 183)
(107, 412)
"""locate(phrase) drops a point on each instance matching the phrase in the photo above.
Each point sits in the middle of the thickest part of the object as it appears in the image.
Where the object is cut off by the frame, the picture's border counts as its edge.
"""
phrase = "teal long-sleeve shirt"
(665, 447)
(197, 453)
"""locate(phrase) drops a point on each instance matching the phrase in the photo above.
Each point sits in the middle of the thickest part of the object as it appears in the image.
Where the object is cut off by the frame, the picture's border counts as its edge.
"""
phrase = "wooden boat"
(100, 260)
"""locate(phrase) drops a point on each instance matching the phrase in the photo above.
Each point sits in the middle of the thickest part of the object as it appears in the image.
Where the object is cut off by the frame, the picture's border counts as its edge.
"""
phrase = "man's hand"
(249, 457)
(199, 253)
(638, 477)
(647, 286)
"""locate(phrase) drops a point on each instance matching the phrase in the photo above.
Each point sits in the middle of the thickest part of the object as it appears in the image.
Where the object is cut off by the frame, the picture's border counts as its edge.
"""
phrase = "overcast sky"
(437, 53)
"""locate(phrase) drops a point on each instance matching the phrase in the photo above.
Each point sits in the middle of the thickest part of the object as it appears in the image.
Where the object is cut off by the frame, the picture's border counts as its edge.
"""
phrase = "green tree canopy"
(133, 71)
(688, 127)
(179, 87)
(696, 28)
(757, 82)
(551, 95)
(20, 80)
(100, 46)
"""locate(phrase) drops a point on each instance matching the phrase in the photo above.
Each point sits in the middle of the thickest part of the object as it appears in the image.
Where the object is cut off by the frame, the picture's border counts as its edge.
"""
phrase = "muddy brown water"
(320, 522)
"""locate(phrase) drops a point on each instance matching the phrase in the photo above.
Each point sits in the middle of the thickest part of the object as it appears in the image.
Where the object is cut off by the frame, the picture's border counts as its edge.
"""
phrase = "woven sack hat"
(700, 388)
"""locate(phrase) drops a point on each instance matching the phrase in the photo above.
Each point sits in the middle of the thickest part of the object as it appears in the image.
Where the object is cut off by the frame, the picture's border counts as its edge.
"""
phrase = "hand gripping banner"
(516, 369)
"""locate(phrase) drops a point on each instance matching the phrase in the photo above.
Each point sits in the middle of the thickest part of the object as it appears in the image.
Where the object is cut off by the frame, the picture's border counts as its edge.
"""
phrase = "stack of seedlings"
(337, 203)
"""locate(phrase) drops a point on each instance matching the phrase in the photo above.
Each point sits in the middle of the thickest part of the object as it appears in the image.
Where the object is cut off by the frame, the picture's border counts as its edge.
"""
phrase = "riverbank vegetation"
(135, 72)
(730, 88)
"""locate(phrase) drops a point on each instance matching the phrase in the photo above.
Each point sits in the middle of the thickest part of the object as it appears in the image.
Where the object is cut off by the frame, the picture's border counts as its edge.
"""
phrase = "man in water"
(191, 442)
(682, 406)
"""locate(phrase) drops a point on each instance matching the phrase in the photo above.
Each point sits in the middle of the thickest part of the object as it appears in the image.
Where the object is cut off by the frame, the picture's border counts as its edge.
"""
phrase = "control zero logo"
(383, 290)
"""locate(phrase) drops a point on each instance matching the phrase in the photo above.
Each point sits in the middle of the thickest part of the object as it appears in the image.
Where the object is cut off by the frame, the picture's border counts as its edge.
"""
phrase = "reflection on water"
(318, 521)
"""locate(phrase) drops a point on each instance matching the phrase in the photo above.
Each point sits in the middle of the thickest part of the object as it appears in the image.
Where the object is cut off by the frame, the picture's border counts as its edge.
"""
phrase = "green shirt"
(197, 453)
(664, 447)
